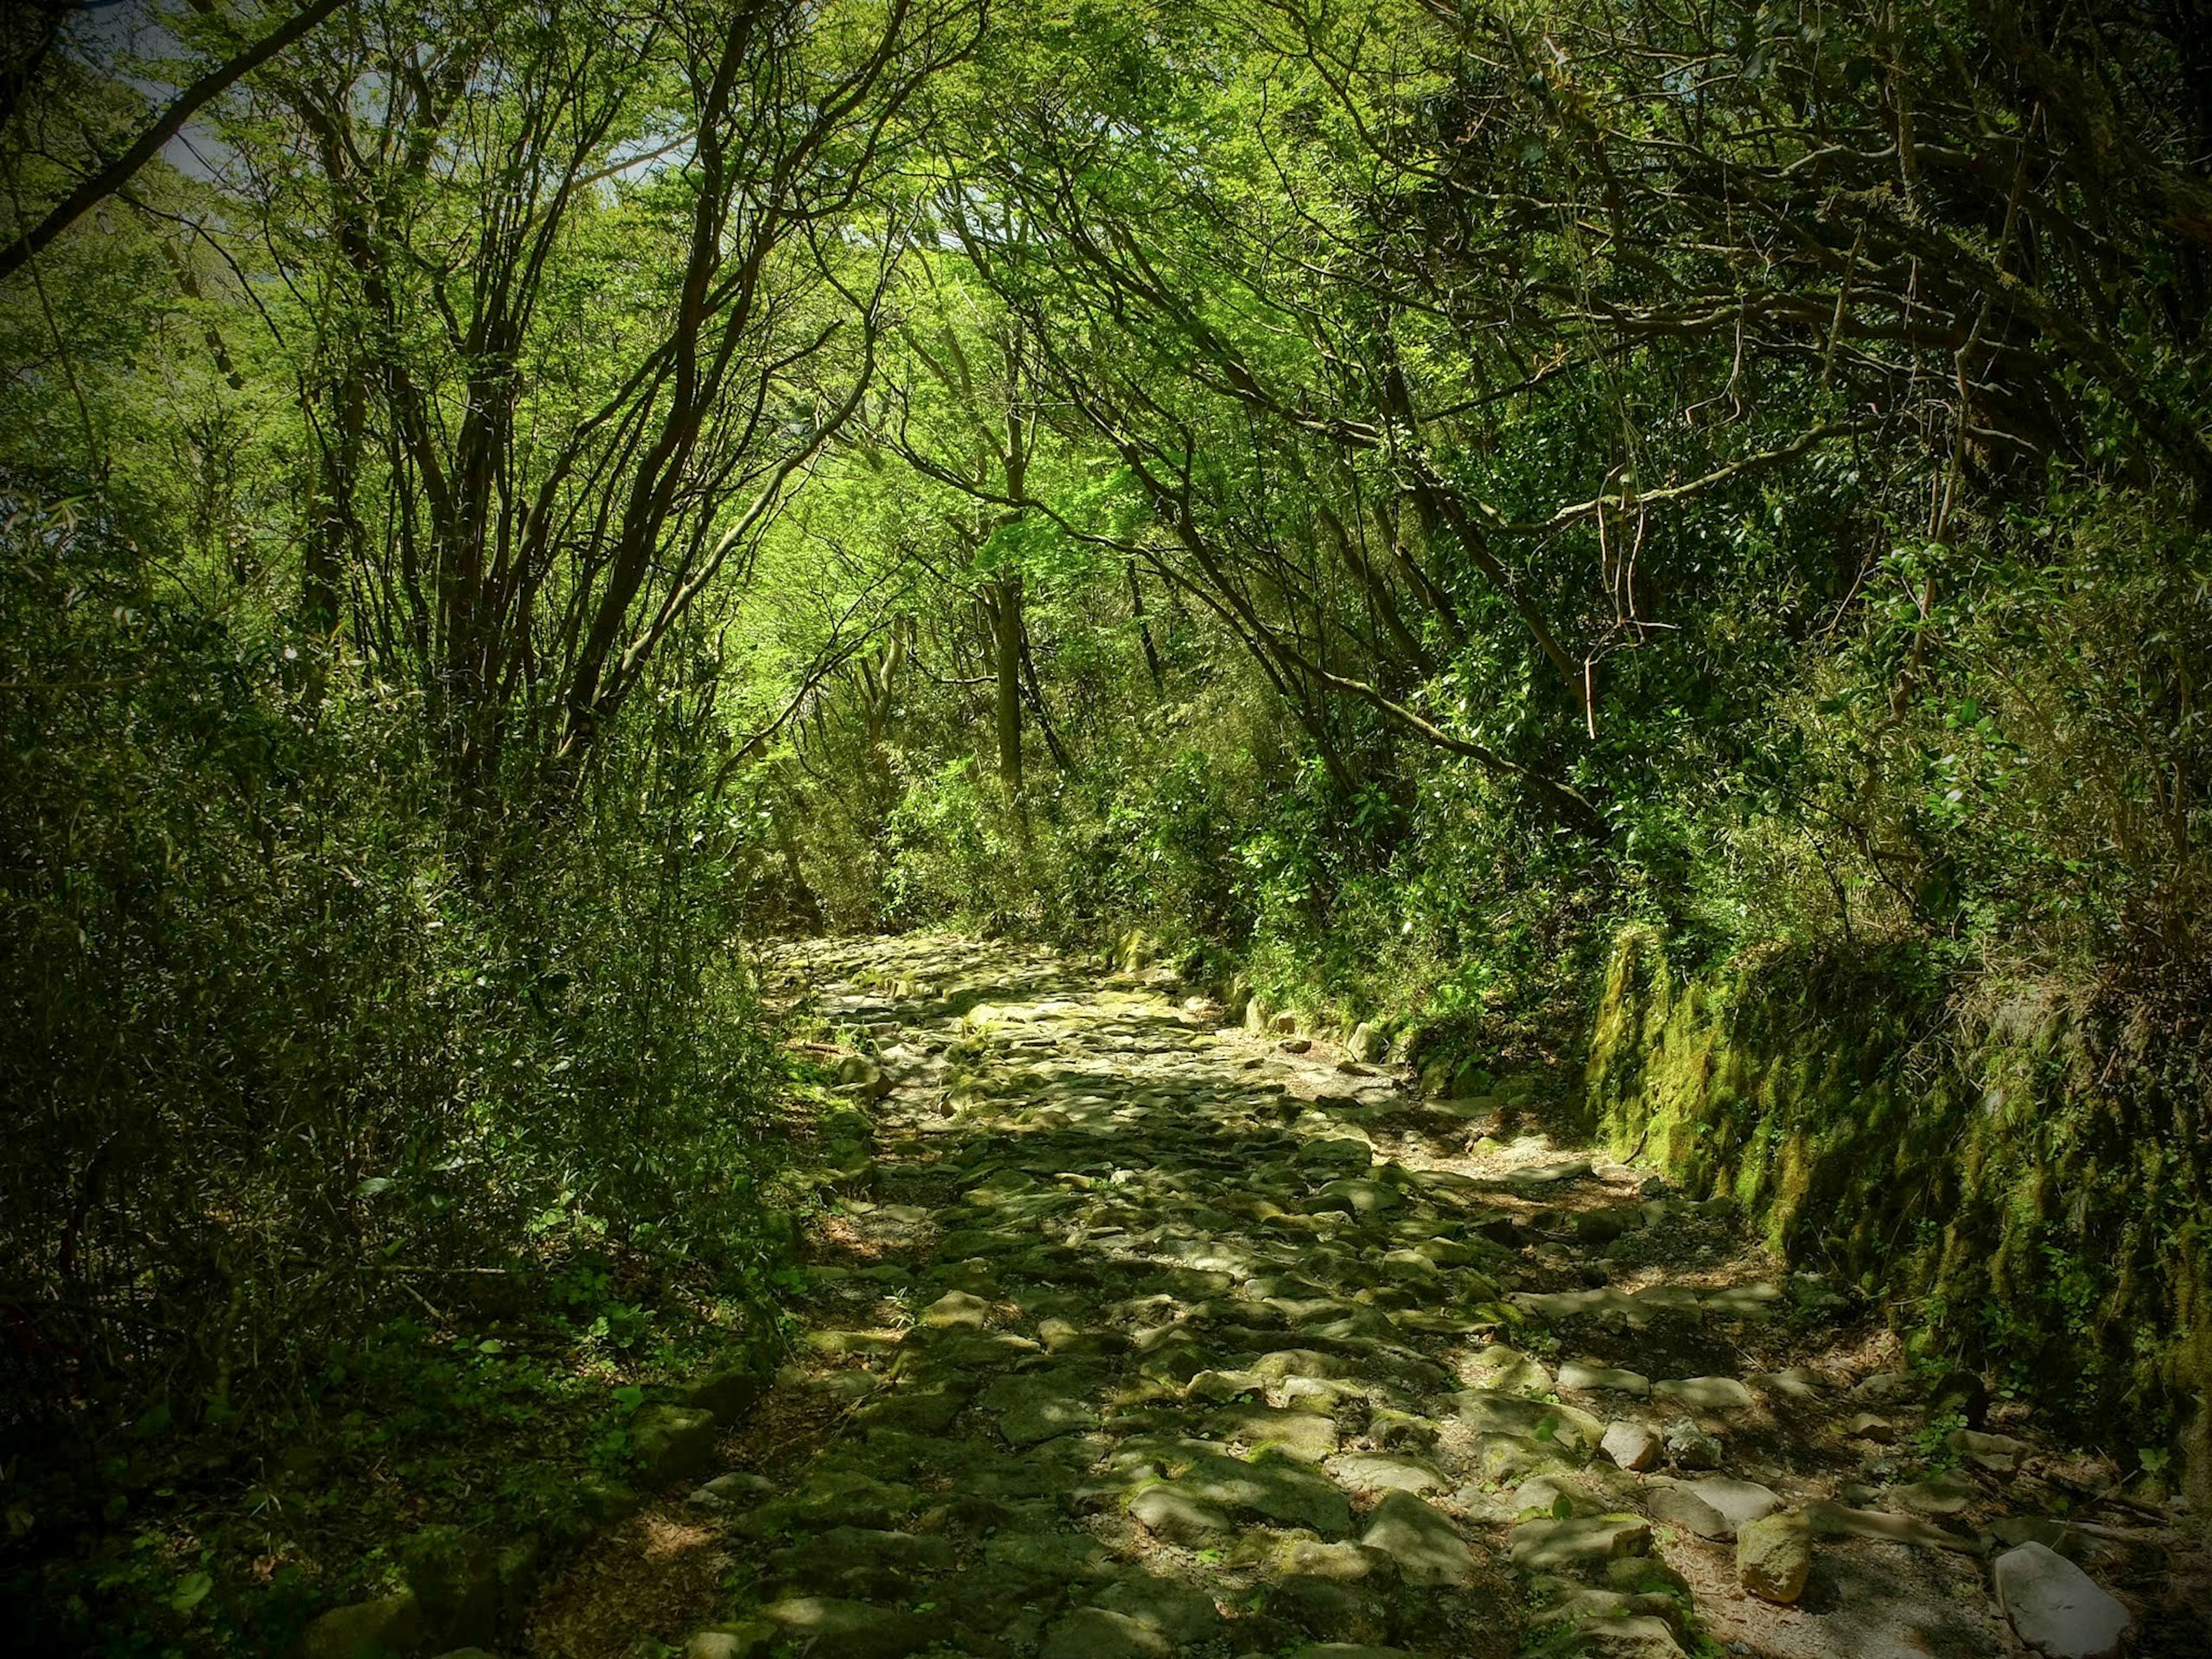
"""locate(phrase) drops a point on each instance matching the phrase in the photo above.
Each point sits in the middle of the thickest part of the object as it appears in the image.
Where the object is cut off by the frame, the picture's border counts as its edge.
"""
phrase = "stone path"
(1135, 1336)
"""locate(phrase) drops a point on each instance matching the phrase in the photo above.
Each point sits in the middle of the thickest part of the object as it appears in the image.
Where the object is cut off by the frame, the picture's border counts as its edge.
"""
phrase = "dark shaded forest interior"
(1123, 809)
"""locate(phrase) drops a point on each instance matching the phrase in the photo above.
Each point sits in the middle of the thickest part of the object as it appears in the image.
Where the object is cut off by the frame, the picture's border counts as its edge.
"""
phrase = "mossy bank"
(2022, 1182)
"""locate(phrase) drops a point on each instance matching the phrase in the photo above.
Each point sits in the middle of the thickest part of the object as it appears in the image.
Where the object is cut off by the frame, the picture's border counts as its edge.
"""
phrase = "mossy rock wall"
(2025, 1187)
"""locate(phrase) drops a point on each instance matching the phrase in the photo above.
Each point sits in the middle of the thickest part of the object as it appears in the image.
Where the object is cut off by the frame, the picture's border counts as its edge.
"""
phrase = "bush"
(290, 1054)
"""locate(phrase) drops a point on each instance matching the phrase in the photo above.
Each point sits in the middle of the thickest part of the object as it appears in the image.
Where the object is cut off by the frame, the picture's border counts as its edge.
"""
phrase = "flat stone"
(1338, 1151)
(1564, 1601)
(837, 1498)
(1604, 1300)
(1045, 1560)
(1179, 1517)
(1640, 1636)
(1743, 1301)
(1030, 1409)
(1061, 1337)
(921, 1405)
(1408, 1266)
(834, 1629)
(1358, 1196)
(1388, 1426)
(1101, 1633)
(1506, 1370)
(846, 1385)
(734, 1490)
(1678, 1506)
(1298, 1362)
(1508, 1458)
(1774, 1557)
(1326, 1607)
(1305, 1435)
(1739, 1501)
(1632, 1446)
(2056, 1608)
(1486, 1412)
(2069, 1542)
(1579, 1544)
(1705, 1394)
(1596, 1229)
(1795, 1384)
(1882, 1387)
(1382, 1472)
(1269, 1489)
(1311, 1394)
(1163, 1606)
(1937, 1495)
(1546, 1174)
(1421, 1540)
(729, 1392)
(965, 1350)
(1303, 1558)
(956, 1311)
(2000, 1454)
(1603, 1378)
(1865, 1425)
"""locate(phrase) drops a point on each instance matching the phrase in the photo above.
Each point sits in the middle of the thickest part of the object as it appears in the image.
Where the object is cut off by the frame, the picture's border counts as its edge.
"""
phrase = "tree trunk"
(1006, 613)
(879, 689)
(1144, 630)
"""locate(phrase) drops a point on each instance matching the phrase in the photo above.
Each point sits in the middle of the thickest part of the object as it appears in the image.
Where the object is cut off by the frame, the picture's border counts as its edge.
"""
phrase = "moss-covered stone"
(669, 1441)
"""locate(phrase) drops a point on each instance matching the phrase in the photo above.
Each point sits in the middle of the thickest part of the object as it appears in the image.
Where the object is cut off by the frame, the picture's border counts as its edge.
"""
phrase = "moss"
(2030, 1199)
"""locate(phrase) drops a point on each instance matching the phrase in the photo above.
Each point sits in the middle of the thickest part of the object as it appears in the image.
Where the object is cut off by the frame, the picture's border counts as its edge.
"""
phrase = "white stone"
(1705, 1394)
(1631, 1445)
(1740, 1502)
(1576, 1375)
(2057, 1608)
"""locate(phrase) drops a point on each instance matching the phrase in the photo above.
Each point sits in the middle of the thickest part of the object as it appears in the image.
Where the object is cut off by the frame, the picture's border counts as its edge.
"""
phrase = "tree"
(607, 314)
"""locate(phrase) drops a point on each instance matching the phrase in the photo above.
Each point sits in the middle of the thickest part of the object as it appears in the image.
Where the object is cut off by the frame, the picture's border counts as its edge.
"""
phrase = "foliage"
(278, 1068)
(1380, 497)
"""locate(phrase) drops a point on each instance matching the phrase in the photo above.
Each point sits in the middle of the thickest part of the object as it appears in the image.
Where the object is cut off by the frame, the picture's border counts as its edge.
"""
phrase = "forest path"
(1153, 1338)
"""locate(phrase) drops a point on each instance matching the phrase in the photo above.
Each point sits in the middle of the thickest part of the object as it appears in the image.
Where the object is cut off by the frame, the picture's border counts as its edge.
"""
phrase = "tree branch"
(187, 103)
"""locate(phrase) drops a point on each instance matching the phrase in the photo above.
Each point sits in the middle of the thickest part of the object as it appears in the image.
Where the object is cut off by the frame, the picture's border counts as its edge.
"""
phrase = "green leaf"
(192, 1590)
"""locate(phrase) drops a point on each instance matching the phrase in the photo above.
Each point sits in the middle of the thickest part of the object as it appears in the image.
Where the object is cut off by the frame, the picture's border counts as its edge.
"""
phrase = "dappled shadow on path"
(1138, 1336)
